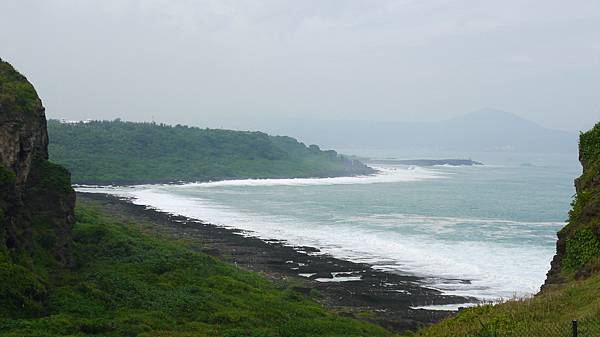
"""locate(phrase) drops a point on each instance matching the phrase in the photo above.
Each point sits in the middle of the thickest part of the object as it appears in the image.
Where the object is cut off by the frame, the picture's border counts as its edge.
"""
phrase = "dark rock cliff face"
(36, 198)
(578, 246)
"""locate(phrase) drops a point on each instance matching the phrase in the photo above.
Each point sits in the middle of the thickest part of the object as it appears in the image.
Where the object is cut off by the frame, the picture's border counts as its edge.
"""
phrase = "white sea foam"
(495, 270)
(495, 266)
(339, 279)
(446, 307)
(385, 175)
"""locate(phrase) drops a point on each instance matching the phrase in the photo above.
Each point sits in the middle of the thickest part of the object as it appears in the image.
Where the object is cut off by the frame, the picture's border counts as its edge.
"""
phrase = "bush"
(589, 145)
(21, 293)
(581, 248)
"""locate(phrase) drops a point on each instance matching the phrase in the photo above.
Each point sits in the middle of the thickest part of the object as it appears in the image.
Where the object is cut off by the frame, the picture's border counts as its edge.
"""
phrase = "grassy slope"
(575, 297)
(125, 152)
(547, 314)
(131, 283)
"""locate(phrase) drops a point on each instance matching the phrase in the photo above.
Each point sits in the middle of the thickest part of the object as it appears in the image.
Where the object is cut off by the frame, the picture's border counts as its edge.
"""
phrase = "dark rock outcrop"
(36, 198)
(578, 246)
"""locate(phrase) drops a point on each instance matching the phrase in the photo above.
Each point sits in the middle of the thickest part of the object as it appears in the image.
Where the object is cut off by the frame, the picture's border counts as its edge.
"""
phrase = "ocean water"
(494, 225)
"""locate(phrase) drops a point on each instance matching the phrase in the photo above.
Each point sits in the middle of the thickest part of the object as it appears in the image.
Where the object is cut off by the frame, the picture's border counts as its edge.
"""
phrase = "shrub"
(581, 248)
(21, 293)
(589, 145)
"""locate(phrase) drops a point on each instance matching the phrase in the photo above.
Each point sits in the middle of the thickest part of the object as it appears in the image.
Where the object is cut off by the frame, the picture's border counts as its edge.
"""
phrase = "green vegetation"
(7, 177)
(581, 248)
(548, 314)
(124, 152)
(52, 177)
(129, 282)
(21, 292)
(17, 95)
(589, 145)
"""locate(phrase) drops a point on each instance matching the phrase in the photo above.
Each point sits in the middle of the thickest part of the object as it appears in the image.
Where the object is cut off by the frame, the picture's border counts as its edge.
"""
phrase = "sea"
(494, 225)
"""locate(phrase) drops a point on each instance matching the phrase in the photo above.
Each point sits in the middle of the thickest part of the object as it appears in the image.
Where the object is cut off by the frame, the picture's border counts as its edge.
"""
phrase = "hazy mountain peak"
(495, 119)
(493, 114)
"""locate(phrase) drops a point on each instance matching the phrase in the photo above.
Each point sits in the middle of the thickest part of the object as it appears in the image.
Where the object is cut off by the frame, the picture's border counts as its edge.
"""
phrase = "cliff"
(36, 198)
(578, 246)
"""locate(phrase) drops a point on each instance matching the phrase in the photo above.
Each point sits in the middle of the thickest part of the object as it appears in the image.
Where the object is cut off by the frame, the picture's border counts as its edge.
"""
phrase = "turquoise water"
(494, 225)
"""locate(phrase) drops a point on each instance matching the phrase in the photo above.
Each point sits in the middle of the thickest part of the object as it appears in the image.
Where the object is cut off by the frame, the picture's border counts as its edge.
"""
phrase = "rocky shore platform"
(391, 300)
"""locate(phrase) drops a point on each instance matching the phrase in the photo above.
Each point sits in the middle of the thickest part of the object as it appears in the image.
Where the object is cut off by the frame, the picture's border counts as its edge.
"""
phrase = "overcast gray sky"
(219, 62)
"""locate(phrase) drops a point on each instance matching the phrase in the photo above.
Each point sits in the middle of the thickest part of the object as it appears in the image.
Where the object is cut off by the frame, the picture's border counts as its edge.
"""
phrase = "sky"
(226, 63)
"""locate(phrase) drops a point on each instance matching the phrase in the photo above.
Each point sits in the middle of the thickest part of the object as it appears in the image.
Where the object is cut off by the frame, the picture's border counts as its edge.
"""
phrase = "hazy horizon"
(486, 130)
(253, 123)
(236, 64)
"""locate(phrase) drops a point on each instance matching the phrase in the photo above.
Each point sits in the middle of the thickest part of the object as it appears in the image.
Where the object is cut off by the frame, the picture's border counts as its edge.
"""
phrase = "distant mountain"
(482, 130)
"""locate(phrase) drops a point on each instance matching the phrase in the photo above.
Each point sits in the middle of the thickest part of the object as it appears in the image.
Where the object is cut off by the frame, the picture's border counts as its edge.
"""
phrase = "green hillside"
(572, 289)
(128, 281)
(125, 152)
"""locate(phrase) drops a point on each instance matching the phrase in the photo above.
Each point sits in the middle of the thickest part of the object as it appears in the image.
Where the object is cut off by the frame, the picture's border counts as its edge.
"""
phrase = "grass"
(131, 282)
(548, 314)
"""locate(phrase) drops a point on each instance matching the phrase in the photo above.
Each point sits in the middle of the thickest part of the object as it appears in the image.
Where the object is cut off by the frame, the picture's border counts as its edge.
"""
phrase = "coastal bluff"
(578, 246)
(36, 199)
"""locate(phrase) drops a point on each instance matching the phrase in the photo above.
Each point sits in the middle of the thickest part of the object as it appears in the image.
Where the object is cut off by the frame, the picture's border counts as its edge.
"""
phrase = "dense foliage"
(125, 152)
(581, 248)
(52, 177)
(589, 144)
(129, 282)
(17, 95)
(582, 252)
